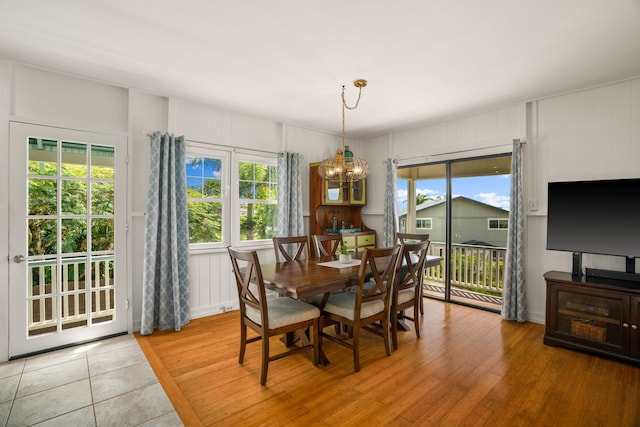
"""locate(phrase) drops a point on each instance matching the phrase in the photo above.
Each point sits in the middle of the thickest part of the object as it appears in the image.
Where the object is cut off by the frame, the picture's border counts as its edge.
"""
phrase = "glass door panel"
(463, 206)
(479, 223)
(75, 215)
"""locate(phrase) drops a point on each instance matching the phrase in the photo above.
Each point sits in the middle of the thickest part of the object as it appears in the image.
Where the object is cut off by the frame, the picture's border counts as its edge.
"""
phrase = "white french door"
(67, 237)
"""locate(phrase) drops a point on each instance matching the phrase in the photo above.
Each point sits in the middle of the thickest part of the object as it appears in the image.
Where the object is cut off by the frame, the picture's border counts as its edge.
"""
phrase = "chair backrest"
(411, 265)
(378, 268)
(411, 237)
(251, 294)
(285, 246)
(331, 240)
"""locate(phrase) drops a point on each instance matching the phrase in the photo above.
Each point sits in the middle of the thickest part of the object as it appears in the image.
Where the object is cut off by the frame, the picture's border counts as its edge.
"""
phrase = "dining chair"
(364, 307)
(286, 246)
(331, 240)
(407, 289)
(413, 237)
(269, 316)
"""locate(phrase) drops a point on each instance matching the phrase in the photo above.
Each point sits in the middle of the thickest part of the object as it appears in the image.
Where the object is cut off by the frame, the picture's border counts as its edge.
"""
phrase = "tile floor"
(104, 383)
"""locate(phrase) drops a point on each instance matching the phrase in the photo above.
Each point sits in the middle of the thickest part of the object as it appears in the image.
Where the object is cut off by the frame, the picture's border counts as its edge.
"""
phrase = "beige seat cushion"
(285, 311)
(406, 295)
(344, 305)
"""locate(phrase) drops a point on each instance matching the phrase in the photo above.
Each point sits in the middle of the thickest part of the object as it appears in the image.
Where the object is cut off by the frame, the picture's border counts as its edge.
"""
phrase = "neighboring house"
(475, 223)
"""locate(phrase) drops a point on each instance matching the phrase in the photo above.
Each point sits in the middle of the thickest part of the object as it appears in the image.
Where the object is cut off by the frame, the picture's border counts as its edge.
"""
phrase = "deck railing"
(476, 268)
(47, 291)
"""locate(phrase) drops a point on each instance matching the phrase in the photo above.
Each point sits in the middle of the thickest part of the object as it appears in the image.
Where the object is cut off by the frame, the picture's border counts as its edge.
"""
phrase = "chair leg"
(385, 335)
(316, 342)
(243, 341)
(356, 348)
(421, 302)
(394, 329)
(416, 319)
(265, 360)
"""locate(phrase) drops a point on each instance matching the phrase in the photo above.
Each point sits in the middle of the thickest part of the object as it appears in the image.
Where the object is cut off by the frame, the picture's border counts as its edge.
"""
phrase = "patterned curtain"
(390, 226)
(165, 291)
(514, 303)
(290, 222)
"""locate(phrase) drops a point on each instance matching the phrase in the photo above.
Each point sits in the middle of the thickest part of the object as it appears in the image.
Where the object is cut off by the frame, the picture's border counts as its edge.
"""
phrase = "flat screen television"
(596, 217)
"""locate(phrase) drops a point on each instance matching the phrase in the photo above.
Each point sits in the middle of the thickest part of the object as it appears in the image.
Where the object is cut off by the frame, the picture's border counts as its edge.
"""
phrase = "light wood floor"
(469, 368)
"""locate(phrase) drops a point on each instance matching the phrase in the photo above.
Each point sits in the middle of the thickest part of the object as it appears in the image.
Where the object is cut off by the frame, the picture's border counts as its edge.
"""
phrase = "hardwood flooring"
(469, 368)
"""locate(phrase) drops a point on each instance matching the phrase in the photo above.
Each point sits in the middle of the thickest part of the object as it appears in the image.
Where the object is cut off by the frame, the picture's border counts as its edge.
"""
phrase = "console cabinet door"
(634, 327)
(591, 317)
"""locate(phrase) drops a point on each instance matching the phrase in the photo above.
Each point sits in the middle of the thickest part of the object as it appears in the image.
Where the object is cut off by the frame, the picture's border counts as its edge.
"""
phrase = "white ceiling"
(287, 60)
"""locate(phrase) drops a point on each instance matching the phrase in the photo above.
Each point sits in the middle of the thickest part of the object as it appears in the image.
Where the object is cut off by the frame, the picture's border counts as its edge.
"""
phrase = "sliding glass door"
(463, 206)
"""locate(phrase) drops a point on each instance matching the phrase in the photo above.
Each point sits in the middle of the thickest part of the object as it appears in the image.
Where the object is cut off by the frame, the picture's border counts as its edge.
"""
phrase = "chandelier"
(345, 167)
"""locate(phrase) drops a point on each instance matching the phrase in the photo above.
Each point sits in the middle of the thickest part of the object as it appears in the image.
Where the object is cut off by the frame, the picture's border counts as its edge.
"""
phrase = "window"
(207, 172)
(498, 223)
(257, 197)
(423, 223)
(232, 197)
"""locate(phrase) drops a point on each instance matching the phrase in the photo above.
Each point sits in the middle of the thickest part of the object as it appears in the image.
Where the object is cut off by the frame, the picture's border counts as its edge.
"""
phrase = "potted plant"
(344, 254)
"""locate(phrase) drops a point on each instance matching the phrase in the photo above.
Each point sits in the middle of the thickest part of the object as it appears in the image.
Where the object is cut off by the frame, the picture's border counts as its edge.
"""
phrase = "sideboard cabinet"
(337, 208)
(601, 318)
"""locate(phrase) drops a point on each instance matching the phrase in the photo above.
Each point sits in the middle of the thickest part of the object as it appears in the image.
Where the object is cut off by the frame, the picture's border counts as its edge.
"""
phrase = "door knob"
(18, 259)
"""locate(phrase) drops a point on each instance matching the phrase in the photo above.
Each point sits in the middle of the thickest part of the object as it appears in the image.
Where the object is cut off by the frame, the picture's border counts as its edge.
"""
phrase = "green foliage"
(342, 250)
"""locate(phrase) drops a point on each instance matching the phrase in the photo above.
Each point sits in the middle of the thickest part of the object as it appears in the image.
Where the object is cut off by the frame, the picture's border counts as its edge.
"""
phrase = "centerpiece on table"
(344, 254)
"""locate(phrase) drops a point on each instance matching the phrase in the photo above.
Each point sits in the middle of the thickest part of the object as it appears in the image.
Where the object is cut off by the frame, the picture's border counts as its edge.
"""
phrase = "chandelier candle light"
(344, 167)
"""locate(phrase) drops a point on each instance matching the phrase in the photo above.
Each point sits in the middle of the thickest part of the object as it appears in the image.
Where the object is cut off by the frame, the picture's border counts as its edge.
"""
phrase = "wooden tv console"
(598, 317)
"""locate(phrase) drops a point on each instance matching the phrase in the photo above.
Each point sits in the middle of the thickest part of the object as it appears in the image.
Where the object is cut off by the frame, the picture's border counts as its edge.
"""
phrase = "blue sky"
(492, 190)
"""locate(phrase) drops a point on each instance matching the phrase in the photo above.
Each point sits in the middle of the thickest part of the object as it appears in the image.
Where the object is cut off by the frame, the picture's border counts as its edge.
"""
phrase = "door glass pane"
(102, 162)
(102, 198)
(43, 196)
(42, 236)
(74, 235)
(41, 297)
(102, 234)
(73, 197)
(102, 295)
(74, 160)
(422, 194)
(480, 194)
(43, 157)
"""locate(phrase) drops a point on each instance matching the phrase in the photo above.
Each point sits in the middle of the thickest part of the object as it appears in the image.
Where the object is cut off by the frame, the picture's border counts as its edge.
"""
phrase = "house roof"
(431, 203)
(287, 60)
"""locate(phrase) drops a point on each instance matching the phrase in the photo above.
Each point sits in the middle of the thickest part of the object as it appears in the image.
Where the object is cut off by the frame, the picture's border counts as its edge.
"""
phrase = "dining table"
(308, 278)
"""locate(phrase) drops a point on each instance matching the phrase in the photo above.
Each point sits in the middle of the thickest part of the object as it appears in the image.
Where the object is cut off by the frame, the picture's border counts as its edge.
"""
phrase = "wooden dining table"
(307, 278)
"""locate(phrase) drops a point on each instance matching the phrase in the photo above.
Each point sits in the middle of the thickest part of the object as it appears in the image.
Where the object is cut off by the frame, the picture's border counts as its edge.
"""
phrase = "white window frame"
(499, 220)
(424, 228)
(248, 157)
(198, 149)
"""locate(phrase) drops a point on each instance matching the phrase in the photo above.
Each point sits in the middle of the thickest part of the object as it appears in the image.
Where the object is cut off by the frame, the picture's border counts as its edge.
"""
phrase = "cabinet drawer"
(350, 241)
(368, 240)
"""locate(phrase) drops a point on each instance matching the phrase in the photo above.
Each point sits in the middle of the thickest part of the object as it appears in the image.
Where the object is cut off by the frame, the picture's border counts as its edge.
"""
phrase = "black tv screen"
(596, 217)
